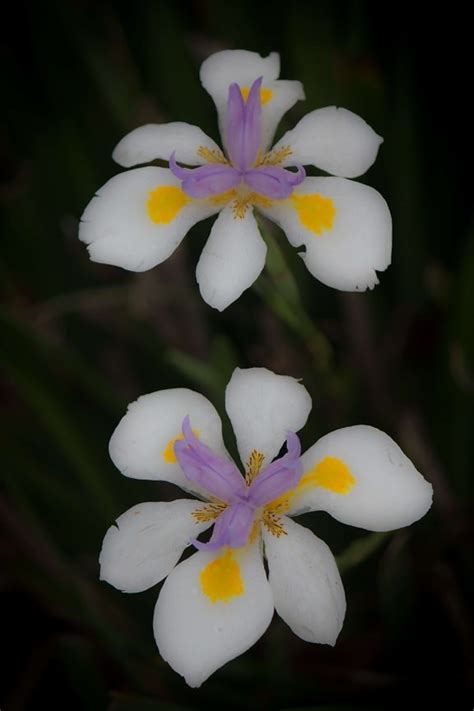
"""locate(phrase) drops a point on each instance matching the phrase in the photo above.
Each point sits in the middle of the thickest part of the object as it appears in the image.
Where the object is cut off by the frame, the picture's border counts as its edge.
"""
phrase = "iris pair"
(216, 603)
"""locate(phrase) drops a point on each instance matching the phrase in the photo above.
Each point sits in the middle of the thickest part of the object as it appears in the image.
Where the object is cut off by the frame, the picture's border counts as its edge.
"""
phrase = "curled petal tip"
(177, 171)
(186, 427)
(209, 546)
(298, 177)
(293, 444)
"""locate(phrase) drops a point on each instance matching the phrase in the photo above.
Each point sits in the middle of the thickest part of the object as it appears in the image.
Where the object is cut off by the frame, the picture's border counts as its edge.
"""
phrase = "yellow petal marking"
(266, 94)
(164, 203)
(220, 579)
(315, 212)
(330, 473)
(168, 453)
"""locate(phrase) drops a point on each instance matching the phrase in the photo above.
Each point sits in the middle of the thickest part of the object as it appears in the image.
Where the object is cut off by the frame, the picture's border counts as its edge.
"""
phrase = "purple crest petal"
(232, 528)
(217, 475)
(244, 125)
(235, 123)
(207, 180)
(280, 476)
(274, 182)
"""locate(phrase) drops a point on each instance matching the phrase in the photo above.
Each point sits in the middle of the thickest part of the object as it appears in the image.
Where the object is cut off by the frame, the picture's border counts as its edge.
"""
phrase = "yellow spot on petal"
(164, 203)
(221, 580)
(331, 474)
(168, 453)
(266, 94)
(315, 212)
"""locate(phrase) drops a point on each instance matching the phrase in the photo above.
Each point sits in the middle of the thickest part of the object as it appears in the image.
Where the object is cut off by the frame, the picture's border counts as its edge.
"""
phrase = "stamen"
(211, 155)
(274, 157)
(273, 524)
(209, 512)
(243, 202)
(253, 465)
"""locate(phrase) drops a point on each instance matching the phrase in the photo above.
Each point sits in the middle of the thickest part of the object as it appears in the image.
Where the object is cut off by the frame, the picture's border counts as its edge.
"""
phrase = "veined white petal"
(142, 444)
(263, 407)
(306, 585)
(345, 226)
(147, 542)
(139, 217)
(196, 634)
(232, 259)
(154, 141)
(333, 139)
(239, 66)
(361, 477)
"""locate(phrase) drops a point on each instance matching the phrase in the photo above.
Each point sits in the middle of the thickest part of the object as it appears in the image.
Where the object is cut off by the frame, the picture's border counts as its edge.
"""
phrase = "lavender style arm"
(218, 475)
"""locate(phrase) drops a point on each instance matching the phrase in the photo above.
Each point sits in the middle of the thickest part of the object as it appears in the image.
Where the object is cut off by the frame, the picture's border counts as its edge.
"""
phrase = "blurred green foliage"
(81, 340)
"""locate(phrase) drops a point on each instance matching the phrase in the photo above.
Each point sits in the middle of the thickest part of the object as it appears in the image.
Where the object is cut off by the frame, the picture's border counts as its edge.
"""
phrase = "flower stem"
(279, 289)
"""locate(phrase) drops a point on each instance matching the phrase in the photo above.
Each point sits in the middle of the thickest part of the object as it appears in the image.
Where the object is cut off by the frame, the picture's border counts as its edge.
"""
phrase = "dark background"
(81, 340)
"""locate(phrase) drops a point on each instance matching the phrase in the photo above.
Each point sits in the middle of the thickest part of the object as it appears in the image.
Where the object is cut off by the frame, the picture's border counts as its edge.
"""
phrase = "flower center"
(245, 167)
(243, 500)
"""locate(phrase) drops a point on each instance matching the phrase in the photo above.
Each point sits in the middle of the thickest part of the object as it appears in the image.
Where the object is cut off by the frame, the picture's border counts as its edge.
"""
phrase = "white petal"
(117, 225)
(232, 259)
(153, 141)
(147, 542)
(386, 491)
(239, 66)
(263, 407)
(195, 635)
(142, 444)
(333, 139)
(346, 252)
(222, 69)
(284, 95)
(306, 585)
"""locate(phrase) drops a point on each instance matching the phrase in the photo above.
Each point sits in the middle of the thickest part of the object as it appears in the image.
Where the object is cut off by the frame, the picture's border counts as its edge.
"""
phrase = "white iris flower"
(139, 217)
(218, 602)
